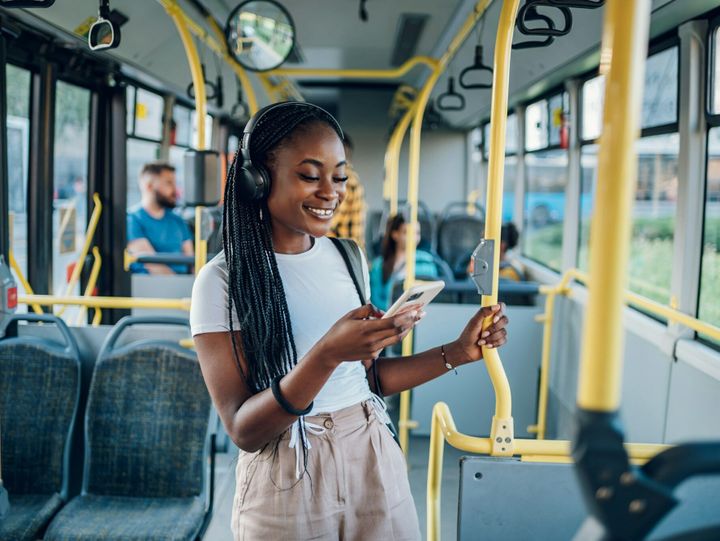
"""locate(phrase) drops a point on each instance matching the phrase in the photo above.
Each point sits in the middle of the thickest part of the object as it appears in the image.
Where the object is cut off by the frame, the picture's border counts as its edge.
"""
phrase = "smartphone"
(419, 295)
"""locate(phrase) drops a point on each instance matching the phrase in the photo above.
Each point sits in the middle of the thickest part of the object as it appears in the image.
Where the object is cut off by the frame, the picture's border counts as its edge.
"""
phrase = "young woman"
(392, 262)
(284, 346)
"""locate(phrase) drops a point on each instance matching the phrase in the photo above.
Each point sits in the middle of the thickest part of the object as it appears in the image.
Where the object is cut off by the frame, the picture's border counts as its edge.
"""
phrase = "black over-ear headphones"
(253, 181)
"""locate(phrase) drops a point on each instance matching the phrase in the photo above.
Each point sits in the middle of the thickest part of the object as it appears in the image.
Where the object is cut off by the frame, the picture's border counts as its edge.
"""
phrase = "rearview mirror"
(103, 35)
(105, 31)
(260, 34)
(26, 3)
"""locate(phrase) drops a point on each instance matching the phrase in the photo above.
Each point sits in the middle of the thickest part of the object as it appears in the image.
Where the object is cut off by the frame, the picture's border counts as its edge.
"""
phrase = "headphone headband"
(250, 126)
(254, 181)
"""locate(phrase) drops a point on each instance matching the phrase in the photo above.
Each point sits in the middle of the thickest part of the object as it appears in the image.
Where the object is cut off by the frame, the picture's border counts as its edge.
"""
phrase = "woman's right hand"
(361, 335)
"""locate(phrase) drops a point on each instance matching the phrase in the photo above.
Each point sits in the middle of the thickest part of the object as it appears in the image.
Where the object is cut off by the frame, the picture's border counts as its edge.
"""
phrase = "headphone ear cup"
(254, 182)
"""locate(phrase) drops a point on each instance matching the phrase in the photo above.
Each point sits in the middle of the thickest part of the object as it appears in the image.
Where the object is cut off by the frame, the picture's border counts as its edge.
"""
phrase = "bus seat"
(459, 235)
(148, 438)
(39, 396)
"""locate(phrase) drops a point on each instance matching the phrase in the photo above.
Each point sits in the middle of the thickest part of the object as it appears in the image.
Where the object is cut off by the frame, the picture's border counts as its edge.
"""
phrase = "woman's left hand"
(473, 338)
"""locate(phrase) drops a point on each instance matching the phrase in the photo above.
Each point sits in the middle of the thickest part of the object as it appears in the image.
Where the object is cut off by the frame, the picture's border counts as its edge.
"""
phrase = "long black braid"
(255, 288)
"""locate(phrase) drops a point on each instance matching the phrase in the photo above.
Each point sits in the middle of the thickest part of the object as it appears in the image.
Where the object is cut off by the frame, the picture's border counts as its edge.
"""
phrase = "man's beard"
(165, 202)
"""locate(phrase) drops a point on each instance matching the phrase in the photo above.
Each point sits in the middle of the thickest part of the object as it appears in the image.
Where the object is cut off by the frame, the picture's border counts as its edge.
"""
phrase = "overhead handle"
(580, 4)
(478, 66)
(212, 88)
(529, 12)
(531, 44)
(450, 94)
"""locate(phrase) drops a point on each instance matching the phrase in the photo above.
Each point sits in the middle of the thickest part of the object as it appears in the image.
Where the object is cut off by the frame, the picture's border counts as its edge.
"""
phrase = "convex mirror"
(26, 3)
(260, 34)
(104, 32)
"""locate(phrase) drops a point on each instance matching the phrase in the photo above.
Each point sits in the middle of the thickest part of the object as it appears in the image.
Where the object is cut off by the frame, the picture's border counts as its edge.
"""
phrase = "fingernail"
(489, 346)
(485, 334)
(496, 319)
(481, 342)
(413, 314)
(423, 313)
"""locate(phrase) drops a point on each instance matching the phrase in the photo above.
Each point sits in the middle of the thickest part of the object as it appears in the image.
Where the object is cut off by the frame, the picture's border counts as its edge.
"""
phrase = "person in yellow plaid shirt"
(349, 220)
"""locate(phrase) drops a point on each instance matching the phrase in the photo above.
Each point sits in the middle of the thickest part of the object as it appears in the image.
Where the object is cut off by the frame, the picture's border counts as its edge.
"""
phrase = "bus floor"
(219, 528)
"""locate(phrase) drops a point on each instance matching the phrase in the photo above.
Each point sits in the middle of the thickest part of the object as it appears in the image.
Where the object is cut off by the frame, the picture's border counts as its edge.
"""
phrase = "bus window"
(546, 176)
(709, 306)
(139, 152)
(72, 121)
(18, 141)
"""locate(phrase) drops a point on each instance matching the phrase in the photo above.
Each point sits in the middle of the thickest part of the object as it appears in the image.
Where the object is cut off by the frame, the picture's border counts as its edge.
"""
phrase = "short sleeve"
(134, 228)
(186, 234)
(209, 304)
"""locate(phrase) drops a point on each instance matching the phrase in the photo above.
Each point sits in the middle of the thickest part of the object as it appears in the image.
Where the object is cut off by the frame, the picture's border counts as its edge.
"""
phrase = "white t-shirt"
(319, 291)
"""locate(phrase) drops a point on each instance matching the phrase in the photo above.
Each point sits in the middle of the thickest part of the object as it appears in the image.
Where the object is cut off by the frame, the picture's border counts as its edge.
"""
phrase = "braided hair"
(255, 288)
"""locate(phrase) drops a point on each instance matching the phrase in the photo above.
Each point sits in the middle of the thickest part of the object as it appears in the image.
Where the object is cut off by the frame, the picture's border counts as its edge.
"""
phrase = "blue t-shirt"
(381, 292)
(166, 235)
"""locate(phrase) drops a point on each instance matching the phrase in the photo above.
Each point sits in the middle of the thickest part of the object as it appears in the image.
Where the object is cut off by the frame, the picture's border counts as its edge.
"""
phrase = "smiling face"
(308, 184)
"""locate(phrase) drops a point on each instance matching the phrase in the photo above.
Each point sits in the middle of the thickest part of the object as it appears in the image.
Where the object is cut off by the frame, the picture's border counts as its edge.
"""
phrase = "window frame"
(547, 96)
(135, 85)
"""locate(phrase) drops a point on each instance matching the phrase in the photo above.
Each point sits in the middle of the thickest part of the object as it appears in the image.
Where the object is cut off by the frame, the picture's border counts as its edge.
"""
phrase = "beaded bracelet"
(447, 364)
(284, 404)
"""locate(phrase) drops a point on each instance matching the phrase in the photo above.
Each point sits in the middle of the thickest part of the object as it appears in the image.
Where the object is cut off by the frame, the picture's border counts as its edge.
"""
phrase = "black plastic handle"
(479, 66)
(531, 44)
(70, 344)
(529, 12)
(580, 4)
(212, 92)
(26, 4)
(450, 94)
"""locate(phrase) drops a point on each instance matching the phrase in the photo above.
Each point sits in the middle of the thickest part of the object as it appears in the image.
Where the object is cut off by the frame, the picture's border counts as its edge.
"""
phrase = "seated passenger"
(391, 262)
(152, 227)
(510, 269)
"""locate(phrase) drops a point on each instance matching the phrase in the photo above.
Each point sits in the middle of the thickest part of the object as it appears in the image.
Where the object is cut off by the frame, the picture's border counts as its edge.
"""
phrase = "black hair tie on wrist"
(284, 404)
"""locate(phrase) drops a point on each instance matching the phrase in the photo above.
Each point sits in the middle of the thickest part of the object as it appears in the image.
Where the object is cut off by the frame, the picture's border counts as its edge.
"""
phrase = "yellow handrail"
(184, 25)
(21, 277)
(107, 302)
(92, 281)
(89, 234)
(547, 318)
(443, 429)
(200, 253)
(395, 73)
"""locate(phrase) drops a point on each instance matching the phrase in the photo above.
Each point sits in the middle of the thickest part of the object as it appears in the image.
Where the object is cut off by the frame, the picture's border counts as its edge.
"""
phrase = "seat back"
(147, 430)
(458, 235)
(39, 396)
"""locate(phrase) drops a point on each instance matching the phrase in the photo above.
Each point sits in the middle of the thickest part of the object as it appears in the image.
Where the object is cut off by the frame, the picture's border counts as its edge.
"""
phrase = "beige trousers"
(355, 488)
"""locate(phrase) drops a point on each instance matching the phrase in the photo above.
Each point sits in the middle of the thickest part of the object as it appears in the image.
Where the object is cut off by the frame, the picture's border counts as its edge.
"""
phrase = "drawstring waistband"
(301, 427)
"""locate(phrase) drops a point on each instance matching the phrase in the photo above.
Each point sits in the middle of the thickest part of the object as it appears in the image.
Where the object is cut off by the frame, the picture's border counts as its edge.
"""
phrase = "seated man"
(152, 227)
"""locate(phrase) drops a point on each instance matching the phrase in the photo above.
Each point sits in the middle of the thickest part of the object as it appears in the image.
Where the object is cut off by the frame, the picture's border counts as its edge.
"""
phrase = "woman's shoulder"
(213, 274)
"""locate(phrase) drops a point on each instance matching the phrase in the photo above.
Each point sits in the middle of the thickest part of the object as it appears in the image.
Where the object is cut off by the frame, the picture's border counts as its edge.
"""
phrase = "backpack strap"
(350, 253)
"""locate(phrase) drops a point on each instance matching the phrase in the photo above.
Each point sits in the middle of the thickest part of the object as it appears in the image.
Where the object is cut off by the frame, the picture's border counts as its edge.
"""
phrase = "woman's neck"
(293, 244)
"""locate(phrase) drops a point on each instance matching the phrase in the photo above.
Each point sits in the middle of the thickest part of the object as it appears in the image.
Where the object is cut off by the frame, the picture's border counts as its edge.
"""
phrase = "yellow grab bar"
(89, 234)
(92, 281)
(107, 302)
(623, 53)
(21, 277)
(198, 79)
(392, 160)
(357, 73)
(443, 429)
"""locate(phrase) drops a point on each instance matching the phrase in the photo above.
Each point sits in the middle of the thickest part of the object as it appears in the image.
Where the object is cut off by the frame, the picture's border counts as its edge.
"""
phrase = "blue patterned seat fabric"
(39, 388)
(96, 518)
(146, 429)
(28, 515)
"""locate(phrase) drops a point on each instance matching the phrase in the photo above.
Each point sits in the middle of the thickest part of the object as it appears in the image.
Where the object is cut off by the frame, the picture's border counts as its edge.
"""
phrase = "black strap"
(350, 253)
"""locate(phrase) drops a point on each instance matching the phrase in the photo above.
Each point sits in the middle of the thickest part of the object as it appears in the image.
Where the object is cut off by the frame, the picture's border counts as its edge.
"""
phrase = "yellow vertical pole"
(502, 430)
(624, 48)
(392, 160)
(193, 59)
(414, 182)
